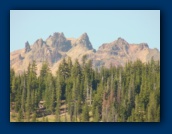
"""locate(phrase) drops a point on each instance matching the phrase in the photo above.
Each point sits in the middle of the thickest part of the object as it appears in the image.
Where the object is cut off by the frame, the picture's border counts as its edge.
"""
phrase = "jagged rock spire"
(27, 47)
(84, 40)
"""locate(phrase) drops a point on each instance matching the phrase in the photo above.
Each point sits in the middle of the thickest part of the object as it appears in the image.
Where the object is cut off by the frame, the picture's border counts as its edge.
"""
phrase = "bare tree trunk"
(103, 108)
(87, 92)
(90, 95)
(65, 114)
(106, 114)
(75, 112)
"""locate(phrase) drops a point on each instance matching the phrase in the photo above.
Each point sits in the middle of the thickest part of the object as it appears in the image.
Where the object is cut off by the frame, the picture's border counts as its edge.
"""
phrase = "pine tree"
(19, 116)
(85, 113)
(34, 117)
(96, 115)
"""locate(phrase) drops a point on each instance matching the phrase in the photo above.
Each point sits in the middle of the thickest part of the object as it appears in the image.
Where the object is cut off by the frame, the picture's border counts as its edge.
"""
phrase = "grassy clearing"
(49, 118)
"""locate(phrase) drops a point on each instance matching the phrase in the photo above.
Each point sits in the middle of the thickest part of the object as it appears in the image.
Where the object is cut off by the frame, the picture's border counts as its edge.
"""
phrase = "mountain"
(57, 46)
(120, 51)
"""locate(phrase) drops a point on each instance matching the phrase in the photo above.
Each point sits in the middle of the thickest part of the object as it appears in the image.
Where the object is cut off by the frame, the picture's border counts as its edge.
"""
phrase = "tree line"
(82, 94)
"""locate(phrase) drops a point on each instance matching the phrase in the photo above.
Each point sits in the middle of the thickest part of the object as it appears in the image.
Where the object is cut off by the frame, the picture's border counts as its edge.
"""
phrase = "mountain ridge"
(57, 46)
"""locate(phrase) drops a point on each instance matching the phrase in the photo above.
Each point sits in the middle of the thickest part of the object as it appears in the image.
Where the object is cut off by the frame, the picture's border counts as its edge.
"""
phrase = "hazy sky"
(102, 26)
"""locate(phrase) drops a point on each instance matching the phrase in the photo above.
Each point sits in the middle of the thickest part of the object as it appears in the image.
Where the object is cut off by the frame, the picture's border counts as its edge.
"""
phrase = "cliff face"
(57, 46)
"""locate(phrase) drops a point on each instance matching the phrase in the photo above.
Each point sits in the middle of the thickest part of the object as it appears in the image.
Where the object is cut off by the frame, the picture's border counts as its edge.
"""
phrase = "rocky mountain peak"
(58, 35)
(84, 41)
(27, 47)
(39, 41)
(84, 36)
(121, 41)
(143, 46)
(58, 41)
(38, 44)
(116, 45)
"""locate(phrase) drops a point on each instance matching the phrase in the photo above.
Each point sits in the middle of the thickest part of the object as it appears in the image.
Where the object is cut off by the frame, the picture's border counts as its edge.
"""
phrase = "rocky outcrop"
(59, 42)
(84, 41)
(27, 47)
(115, 47)
(120, 51)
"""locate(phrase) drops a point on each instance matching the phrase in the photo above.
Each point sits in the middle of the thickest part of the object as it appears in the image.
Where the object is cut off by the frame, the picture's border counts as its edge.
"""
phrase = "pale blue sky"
(102, 26)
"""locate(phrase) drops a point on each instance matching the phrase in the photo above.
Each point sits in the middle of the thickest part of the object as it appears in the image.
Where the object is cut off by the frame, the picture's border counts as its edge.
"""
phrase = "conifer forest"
(78, 92)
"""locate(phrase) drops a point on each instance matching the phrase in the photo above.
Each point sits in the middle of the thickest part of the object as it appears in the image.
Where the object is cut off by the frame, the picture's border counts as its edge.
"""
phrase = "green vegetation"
(79, 93)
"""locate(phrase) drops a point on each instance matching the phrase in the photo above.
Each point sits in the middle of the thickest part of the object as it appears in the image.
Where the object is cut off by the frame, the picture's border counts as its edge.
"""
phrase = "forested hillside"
(79, 93)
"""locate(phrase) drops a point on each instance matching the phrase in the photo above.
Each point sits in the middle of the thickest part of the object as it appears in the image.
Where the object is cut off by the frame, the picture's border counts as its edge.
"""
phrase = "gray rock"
(27, 47)
(84, 41)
